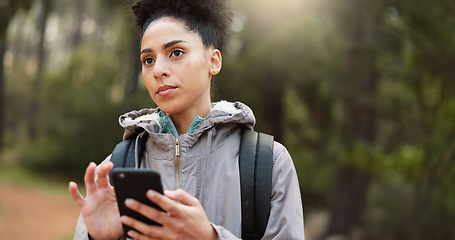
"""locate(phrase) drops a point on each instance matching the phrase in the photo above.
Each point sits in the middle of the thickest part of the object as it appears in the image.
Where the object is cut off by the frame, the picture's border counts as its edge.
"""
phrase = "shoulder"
(283, 165)
(280, 152)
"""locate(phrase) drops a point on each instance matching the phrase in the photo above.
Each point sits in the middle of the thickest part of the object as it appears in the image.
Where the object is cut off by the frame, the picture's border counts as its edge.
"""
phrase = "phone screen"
(134, 183)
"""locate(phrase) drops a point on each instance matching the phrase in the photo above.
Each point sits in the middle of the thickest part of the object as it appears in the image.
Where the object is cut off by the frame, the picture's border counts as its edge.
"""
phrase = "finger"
(76, 195)
(164, 202)
(148, 211)
(183, 197)
(138, 236)
(103, 175)
(148, 231)
(89, 178)
(135, 235)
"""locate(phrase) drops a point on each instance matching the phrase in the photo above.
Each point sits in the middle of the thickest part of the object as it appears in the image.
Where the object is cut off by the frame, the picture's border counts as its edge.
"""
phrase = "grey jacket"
(207, 168)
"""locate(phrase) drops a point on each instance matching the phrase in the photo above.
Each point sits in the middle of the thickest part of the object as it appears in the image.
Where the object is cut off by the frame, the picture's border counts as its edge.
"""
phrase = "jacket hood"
(222, 112)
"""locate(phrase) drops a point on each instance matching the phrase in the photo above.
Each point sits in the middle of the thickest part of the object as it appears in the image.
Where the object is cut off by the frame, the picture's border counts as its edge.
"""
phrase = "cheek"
(201, 69)
(148, 81)
(198, 64)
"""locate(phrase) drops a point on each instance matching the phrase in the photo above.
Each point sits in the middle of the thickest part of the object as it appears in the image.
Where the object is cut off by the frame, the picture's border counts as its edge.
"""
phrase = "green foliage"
(79, 111)
(325, 71)
(7, 10)
(304, 143)
(390, 208)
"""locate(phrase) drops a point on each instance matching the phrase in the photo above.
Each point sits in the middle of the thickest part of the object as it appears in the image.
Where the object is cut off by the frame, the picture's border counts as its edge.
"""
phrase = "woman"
(180, 53)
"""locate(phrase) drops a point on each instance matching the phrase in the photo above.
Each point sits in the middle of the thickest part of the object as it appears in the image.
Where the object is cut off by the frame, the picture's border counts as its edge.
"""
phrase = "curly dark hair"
(211, 19)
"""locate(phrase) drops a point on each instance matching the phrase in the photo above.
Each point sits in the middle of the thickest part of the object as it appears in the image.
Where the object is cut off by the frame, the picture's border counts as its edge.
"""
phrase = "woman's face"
(177, 68)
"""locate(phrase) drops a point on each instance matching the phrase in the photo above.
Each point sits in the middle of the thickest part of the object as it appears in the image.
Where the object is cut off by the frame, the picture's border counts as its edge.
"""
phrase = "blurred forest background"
(362, 93)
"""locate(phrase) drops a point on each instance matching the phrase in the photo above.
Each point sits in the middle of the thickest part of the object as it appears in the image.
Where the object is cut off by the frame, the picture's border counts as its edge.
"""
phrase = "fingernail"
(132, 234)
(169, 193)
(124, 219)
(129, 202)
(151, 193)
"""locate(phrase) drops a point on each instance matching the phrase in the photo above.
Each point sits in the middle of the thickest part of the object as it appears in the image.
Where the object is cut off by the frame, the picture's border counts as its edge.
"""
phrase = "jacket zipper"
(177, 164)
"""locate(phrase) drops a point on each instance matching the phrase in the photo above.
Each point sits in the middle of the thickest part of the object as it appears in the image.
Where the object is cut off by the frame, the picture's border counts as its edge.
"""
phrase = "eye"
(176, 53)
(148, 61)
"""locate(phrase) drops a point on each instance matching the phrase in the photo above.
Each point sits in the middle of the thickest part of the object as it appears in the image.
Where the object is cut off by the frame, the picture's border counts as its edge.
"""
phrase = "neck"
(183, 120)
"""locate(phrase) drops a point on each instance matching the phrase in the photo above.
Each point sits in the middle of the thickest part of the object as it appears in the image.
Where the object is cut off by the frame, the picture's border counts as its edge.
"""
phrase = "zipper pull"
(177, 156)
(177, 148)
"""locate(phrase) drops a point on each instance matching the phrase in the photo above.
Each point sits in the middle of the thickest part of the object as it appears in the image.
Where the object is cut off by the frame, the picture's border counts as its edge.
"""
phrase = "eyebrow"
(165, 46)
(172, 43)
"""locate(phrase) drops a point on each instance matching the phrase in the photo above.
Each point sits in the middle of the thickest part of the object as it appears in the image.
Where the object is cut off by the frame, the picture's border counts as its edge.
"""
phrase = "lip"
(165, 90)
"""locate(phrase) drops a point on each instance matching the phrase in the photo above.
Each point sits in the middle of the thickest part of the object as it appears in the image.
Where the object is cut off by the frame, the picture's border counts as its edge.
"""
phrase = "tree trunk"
(77, 35)
(5, 17)
(133, 85)
(2, 88)
(272, 106)
(350, 190)
(351, 184)
(36, 90)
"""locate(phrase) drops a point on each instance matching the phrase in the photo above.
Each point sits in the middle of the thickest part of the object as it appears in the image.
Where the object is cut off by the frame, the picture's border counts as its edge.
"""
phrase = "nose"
(160, 68)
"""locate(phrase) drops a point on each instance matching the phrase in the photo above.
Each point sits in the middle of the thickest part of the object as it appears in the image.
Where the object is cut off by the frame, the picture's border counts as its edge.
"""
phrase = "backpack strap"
(124, 154)
(255, 164)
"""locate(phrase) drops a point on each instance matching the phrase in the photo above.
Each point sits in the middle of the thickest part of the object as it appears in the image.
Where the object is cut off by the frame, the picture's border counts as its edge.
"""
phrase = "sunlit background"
(362, 93)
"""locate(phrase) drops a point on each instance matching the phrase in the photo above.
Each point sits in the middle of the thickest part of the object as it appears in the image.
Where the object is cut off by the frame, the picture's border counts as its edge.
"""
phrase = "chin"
(170, 109)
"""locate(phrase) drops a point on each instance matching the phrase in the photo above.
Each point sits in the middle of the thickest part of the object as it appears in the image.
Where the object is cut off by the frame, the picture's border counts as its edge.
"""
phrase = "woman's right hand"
(99, 208)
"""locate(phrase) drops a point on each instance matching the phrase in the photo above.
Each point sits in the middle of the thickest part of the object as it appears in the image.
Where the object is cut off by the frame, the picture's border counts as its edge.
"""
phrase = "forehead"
(168, 29)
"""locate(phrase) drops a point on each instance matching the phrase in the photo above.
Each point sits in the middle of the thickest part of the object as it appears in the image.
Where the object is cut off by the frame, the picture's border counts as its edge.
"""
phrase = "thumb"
(182, 197)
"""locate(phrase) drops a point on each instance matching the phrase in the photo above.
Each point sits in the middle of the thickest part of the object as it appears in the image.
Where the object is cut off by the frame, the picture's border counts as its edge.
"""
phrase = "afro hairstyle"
(210, 19)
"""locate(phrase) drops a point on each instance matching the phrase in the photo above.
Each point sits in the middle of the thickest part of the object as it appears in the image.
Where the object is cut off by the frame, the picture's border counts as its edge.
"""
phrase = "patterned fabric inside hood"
(222, 112)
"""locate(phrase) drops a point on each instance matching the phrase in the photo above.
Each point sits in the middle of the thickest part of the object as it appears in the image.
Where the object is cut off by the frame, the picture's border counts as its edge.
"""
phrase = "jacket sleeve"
(223, 233)
(81, 230)
(286, 213)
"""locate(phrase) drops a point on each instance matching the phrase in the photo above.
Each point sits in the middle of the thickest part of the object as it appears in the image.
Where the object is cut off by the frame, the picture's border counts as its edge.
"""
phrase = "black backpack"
(255, 164)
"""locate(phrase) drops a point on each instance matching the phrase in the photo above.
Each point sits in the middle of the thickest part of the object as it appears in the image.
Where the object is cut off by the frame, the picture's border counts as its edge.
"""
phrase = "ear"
(215, 62)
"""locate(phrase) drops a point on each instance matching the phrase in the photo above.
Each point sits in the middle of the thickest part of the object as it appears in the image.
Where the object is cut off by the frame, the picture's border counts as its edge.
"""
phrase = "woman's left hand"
(184, 217)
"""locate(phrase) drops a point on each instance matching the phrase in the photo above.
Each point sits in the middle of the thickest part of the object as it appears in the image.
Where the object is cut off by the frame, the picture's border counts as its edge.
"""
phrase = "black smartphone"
(134, 183)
